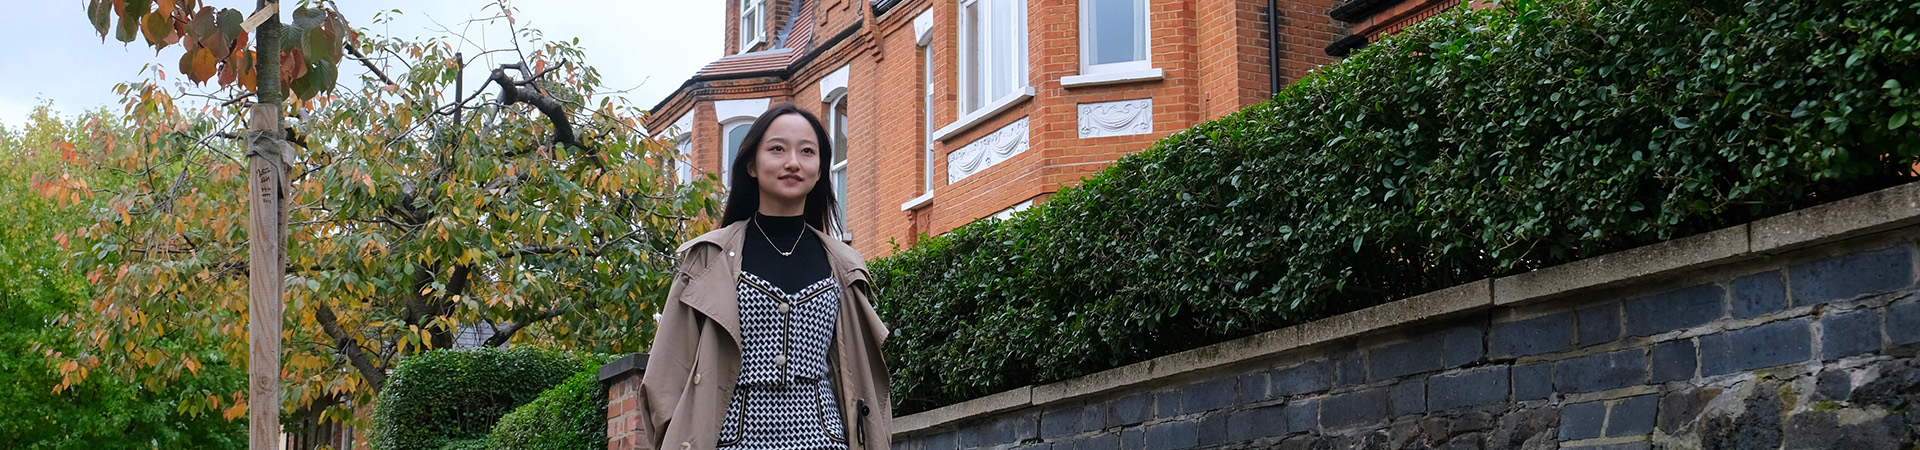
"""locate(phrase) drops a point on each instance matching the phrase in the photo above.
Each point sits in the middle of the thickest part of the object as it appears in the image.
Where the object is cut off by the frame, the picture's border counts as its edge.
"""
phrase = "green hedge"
(449, 398)
(1476, 144)
(571, 416)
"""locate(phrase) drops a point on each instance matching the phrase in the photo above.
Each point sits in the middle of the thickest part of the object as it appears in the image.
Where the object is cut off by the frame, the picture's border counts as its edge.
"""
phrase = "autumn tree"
(529, 208)
(100, 412)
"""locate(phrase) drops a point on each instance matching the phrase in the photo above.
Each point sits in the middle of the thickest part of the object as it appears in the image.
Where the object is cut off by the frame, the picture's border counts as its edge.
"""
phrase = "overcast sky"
(52, 52)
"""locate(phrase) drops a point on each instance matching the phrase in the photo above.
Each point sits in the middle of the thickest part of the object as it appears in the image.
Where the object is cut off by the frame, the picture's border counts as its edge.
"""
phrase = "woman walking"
(768, 338)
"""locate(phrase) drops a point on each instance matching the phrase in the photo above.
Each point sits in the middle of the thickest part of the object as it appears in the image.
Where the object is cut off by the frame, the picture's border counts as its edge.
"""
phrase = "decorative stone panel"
(1121, 118)
(987, 151)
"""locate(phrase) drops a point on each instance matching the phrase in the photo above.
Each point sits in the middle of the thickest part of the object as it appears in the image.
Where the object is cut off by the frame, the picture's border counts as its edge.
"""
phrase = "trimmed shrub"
(1478, 143)
(571, 416)
(452, 398)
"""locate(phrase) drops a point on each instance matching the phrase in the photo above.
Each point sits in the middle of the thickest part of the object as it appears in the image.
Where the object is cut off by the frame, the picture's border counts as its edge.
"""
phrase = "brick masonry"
(1811, 349)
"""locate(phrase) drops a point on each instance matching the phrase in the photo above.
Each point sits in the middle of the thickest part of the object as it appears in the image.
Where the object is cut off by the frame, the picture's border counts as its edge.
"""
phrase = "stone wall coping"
(993, 404)
(1881, 210)
(631, 364)
(1852, 217)
(1622, 267)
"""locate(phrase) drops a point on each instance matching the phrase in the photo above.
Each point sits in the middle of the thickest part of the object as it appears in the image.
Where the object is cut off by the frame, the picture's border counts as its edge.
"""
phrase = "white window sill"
(918, 202)
(981, 115)
(1112, 78)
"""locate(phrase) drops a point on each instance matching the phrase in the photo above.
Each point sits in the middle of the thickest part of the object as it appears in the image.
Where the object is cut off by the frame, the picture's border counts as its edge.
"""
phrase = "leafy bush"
(453, 398)
(1476, 144)
(571, 416)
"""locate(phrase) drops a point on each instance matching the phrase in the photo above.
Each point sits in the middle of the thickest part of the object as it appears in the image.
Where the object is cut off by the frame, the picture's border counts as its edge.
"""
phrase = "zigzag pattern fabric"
(783, 399)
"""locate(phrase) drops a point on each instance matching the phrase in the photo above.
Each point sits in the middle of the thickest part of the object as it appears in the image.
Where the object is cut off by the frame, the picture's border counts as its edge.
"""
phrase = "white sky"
(52, 52)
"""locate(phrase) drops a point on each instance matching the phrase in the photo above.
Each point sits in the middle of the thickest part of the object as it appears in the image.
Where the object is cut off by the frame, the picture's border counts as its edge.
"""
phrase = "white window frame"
(726, 150)
(1145, 41)
(756, 10)
(683, 158)
(927, 92)
(991, 63)
(837, 126)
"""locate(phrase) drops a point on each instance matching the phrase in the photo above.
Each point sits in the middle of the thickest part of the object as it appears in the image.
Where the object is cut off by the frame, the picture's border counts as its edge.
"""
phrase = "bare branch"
(347, 347)
(362, 57)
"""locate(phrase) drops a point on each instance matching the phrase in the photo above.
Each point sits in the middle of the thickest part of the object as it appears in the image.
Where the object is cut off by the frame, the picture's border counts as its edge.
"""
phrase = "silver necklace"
(763, 234)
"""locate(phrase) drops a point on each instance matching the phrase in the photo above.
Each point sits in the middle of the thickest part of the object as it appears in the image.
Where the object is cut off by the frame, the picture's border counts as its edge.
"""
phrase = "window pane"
(683, 159)
(971, 46)
(1117, 32)
(840, 147)
(735, 136)
(1003, 66)
(840, 195)
(926, 79)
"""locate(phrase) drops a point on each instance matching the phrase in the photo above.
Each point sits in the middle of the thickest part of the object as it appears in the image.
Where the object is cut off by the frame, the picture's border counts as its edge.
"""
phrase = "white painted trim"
(989, 150)
(1005, 214)
(923, 28)
(834, 85)
(683, 126)
(918, 202)
(985, 112)
(1112, 78)
(729, 110)
(1121, 118)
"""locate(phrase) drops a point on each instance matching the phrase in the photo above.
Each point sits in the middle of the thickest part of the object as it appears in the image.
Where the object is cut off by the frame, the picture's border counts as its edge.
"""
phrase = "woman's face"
(787, 165)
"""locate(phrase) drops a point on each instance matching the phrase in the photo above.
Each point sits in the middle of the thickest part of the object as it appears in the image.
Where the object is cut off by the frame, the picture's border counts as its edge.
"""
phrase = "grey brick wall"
(1814, 349)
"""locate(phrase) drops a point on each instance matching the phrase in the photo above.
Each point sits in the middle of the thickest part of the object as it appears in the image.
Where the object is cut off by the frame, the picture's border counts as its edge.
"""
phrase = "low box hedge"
(571, 416)
(453, 398)
(1475, 144)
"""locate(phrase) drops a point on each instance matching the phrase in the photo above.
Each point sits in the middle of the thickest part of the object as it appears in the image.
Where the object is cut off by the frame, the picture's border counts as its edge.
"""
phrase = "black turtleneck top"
(767, 236)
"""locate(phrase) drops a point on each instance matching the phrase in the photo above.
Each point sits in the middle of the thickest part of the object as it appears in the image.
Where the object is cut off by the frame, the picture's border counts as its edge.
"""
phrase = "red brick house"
(948, 111)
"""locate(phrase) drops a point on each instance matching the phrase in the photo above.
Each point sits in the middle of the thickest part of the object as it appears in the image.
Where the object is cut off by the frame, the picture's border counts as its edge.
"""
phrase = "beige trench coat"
(695, 358)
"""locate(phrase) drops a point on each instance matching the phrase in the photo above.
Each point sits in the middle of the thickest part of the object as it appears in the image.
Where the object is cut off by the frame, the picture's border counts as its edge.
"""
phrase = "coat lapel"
(715, 290)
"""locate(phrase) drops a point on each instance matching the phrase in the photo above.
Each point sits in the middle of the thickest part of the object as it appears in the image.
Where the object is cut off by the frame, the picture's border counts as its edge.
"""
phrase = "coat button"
(730, 253)
(696, 379)
(686, 446)
(784, 308)
(780, 360)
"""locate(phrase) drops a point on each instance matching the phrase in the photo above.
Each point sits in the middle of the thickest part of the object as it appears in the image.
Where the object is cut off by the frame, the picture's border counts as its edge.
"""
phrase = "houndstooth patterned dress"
(783, 399)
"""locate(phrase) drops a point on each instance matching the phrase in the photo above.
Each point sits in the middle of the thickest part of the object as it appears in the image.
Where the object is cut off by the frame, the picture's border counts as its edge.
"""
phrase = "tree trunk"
(266, 240)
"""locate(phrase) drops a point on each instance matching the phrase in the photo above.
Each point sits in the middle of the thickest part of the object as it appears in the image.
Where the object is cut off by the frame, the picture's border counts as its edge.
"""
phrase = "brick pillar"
(622, 379)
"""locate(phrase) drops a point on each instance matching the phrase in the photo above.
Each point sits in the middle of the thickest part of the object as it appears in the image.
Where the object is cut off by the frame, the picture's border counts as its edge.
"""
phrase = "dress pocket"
(735, 424)
(830, 421)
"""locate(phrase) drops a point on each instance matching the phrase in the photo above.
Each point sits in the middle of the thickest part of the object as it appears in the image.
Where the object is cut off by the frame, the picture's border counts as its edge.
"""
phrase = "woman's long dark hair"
(743, 193)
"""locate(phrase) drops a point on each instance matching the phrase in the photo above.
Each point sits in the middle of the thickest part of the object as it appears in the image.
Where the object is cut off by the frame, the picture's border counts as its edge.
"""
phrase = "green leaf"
(128, 30)
(1682, 122)
(229, 21)
(100, 12)
(307, 18)
(1899, 120)
(317, 44)
(292, 38)
(320, 77)
(156, 28)
(137, 8)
